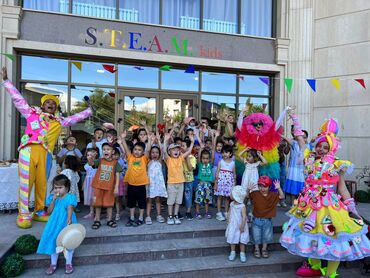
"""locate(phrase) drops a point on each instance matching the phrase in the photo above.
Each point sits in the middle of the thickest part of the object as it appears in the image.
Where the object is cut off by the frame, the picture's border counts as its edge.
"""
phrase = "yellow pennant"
(77, 65)
(336, 84)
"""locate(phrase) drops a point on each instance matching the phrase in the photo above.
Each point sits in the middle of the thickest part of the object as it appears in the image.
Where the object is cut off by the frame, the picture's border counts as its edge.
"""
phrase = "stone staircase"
(193, 249)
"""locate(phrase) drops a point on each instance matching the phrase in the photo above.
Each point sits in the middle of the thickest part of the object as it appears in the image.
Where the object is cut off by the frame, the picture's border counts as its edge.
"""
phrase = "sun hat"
(238, 193)
(264, 181)
(50, 97)
(173, 146)
(70, 237)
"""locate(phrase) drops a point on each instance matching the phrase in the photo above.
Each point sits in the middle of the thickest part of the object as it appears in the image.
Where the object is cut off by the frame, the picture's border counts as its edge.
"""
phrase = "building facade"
(148, 60)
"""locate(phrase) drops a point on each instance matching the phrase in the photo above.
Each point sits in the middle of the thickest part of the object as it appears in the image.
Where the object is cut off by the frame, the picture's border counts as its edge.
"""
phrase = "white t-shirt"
(99, 145)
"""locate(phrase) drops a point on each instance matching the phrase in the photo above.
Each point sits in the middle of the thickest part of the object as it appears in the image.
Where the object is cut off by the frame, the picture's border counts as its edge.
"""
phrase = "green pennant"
(9, 56)
(288, 83)
(165, 68)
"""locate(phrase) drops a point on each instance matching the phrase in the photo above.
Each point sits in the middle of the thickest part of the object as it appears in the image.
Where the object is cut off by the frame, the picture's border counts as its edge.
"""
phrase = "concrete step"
(209, 266)
(103, 253)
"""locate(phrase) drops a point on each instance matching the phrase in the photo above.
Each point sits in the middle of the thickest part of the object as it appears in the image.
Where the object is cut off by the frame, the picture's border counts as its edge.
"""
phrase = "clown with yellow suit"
(43, 127)
(324, 223)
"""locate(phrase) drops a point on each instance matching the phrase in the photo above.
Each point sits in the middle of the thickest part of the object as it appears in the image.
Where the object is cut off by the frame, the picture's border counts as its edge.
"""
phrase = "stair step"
(209, 266)
(145, 251)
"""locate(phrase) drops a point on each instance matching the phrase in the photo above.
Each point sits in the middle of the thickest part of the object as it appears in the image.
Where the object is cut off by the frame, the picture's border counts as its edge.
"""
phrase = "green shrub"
(362, 196)
(13, 266)
(26, 244)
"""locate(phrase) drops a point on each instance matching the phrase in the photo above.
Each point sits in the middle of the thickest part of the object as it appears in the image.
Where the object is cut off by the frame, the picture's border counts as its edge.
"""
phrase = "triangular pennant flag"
(288, 83)
(240, 77)
(77, 65)
(109, 68)
(73, 87)
(265, 80)
(139, 68)
(336, 84)
(9, 56)
(190, 69)
(165, 68)
(312, 83)
(361, 82)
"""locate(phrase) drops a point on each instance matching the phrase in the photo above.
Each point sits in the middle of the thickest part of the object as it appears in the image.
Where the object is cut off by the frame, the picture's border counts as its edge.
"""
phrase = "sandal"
(265, 254)
(96, 225)
(257, 253)
(112, 224)
(51, 269)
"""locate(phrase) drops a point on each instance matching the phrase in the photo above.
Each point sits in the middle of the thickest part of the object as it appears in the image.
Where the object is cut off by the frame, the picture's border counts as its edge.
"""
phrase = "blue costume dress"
(295, 178)
(57, 221)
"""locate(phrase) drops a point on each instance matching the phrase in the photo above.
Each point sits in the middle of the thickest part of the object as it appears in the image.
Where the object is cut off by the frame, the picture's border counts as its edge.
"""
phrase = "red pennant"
(361, 82)
(109, 68)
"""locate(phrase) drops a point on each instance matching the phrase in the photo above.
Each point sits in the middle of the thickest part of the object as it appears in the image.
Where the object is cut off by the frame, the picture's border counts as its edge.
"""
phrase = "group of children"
(189, 162)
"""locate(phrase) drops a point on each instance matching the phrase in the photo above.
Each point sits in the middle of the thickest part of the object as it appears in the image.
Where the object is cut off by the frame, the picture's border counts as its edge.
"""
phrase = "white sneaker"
(232, 256)
(220, 217)
(177, 220)
(225, 215)
(160, 219)
(170, 220)
(243, 257)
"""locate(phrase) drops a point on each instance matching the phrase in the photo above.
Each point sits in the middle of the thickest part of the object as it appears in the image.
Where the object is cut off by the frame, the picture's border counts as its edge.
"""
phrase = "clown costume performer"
(35, 151)
(324, 223)
(258, 131)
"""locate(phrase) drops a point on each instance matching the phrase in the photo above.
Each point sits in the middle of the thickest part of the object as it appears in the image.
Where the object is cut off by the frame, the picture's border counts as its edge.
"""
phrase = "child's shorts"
(262, 230)
(175, 192)
(203, 193)
(103, 198)
(136, 194)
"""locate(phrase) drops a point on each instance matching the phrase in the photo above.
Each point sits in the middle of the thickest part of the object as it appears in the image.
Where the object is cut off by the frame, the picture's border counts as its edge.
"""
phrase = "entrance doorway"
(154, 108)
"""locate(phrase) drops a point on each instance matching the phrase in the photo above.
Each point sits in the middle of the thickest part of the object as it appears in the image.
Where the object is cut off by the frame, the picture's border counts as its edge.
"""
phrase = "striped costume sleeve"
(71, 120)
(19, 102)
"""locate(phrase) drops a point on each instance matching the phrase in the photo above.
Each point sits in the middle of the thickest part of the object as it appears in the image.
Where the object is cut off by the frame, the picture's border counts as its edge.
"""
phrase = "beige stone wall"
(342, 51)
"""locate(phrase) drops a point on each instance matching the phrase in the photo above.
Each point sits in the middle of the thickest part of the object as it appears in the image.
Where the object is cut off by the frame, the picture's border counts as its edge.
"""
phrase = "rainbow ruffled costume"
(266, 140)
(320, 226)
(35, 150)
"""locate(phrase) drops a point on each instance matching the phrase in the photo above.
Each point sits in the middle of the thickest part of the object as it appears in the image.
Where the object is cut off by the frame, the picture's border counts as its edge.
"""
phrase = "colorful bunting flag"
(190, 69)
(361, 82)
(240, 77)
(9, 56)
(265, 80)
(139, 68)
(109, 68)
(336, 84)
(312, 83)
(77, 65)
(288, 83)
(165, 68)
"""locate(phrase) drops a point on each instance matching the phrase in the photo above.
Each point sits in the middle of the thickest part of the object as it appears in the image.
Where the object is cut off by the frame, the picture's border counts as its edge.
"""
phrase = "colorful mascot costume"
(324, 223)
(37, 145)
(258, 131)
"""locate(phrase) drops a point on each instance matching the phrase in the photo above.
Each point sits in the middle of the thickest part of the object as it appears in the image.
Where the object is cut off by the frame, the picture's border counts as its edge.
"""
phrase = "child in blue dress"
(60, 205)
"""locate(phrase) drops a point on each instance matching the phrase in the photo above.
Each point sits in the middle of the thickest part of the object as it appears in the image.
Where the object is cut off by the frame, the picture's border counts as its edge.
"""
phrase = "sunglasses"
(257, 124)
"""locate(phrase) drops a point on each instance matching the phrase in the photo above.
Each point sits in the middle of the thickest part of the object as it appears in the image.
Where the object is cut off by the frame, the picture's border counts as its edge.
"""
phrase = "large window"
(182, 13)
(216, 82)
(179, 80)
(47, 69)
(218, 16)
(138, 76)
(93, 73)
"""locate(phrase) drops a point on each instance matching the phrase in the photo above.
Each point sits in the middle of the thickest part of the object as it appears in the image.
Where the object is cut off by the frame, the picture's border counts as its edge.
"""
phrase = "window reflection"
(92, 73)
(146, 11)
(254, 85)
(214, 106)
(42, 68)
(138, 109)
(256, 17)
(104, 101)
(220, 17)
(218, 82)
(96, 8)
(179, 80)
(255, 104)
(47, 5)
(138, 76)
(181, 13)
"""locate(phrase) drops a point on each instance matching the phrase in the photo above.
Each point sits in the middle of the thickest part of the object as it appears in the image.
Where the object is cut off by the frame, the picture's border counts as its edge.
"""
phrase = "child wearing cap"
(237, 231)
(175, 182)
(264, 209)
(43, 126)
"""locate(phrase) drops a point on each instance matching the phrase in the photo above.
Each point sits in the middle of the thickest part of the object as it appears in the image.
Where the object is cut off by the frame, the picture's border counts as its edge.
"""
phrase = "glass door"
(175, 108)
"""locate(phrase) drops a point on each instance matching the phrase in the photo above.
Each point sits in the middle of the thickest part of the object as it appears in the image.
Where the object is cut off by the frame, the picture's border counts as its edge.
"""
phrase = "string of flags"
(190, 69)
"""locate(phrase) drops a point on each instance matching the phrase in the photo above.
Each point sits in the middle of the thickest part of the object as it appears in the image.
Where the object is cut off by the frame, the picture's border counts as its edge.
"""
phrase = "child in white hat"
(237, 229)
